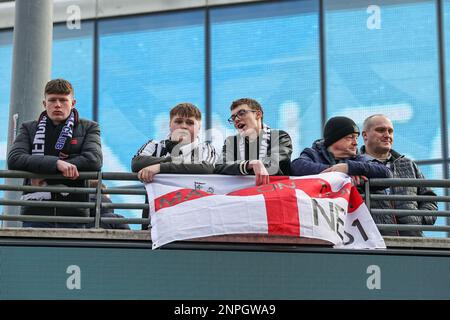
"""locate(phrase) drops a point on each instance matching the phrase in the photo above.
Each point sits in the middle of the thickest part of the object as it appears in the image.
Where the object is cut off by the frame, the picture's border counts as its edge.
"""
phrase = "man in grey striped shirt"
(181, 152)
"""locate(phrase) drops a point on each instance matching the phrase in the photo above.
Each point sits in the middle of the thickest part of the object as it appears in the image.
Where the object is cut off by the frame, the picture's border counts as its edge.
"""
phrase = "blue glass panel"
(446, 12)
(5, 90)
(73, 60)
(148, 64)
(381, 57)
(269, 52)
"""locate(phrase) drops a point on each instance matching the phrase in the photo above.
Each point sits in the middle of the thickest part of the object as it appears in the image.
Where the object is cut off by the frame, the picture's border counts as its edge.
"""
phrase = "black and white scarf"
(62, 143)
(194, 152)
(61, 147)
(262, 144)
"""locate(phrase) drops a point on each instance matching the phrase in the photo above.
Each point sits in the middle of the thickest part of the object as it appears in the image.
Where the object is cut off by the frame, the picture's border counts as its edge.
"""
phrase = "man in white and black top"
(181, 152)
(256, 149)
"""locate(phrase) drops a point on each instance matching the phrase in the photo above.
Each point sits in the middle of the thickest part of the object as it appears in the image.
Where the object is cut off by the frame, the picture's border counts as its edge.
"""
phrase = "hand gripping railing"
(405, 182)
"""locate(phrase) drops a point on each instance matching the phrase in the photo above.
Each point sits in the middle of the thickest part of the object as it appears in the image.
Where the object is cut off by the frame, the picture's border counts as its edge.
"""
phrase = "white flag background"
(324, 206)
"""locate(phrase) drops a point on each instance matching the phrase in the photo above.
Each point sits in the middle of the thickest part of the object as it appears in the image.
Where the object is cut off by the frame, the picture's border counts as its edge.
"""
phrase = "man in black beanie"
(338, 151)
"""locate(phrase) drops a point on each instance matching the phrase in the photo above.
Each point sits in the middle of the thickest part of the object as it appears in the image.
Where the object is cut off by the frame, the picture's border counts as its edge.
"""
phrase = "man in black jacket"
(378, 134)
(58, 142)
(257, 149)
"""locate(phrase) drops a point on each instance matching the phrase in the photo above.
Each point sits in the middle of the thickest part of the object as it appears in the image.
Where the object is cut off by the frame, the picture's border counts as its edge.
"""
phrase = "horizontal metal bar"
(404, 212)
(73, 219)
(125, 205)
(29, 175)
(47, 218)
(47, 204)
(442, 183)
(130, 186)
(48, 189)
(119, 176)
(399, 197)
(124, 191)
(125, 220)
(409, 227)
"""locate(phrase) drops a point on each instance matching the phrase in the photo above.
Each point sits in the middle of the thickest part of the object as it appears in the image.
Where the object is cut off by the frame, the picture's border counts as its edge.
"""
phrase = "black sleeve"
(20, 157)
(229, 165)
(91, 157)
(279, 162)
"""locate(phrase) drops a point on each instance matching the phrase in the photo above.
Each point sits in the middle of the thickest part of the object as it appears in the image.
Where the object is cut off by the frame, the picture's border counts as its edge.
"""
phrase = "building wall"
(302, 60)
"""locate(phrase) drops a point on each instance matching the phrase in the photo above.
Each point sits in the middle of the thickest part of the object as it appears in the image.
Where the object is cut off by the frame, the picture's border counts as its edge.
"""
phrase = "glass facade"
(378, 57)
(73, 59)
(390, 68)
(446, 31)
(269, 52)
(147, 65)
(5, 90)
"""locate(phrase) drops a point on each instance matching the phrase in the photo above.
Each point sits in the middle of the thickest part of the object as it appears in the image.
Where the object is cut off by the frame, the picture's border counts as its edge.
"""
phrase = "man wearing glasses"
(256, 149)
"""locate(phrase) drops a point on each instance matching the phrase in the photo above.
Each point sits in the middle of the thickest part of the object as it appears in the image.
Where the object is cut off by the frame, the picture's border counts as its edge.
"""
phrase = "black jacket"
(277, 161)
(85, 152)
(403, 167)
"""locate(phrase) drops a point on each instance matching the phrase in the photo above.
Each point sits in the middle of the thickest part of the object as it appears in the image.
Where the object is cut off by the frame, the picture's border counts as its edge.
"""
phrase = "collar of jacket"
(320, 146)
(394, 154)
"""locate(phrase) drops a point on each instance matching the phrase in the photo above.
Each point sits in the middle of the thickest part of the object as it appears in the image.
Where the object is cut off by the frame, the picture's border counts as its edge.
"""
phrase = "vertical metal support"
(98, 200)
(323, 72)
(443, 95)
(31, 69)
(95, 69)
(208, 108)
(367, 193)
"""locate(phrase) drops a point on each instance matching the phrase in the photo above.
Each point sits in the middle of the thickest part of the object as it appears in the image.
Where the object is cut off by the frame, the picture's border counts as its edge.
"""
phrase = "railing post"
(31, 69)
(98, 200)
(367, 192)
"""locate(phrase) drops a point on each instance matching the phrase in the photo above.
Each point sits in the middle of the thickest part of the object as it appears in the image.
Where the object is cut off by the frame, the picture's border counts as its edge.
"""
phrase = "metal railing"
(97, 206)
(407, 182)
(137, 189)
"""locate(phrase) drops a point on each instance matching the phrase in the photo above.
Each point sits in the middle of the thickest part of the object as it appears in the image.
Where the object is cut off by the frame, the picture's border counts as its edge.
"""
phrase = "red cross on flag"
(324, 206)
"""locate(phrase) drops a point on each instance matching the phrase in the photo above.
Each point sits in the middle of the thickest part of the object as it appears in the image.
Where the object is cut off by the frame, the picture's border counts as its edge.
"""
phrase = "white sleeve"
(148, 149)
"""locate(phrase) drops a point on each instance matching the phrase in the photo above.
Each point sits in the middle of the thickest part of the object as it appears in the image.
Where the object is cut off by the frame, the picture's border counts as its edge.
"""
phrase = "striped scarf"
(195, 152)
(63, 141)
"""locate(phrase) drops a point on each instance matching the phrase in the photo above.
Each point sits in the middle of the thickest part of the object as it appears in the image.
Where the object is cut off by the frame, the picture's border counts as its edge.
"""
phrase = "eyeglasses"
(239, 115)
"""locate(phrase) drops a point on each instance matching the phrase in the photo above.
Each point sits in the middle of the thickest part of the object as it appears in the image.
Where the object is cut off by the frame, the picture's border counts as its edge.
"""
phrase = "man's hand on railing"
(340, 167)
(146, 175)
(68, 170)
(358, 180)
(343, 167)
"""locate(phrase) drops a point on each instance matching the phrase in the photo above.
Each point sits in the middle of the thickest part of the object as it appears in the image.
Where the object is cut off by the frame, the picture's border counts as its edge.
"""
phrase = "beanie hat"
(337, 128)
